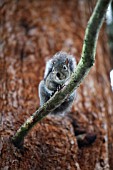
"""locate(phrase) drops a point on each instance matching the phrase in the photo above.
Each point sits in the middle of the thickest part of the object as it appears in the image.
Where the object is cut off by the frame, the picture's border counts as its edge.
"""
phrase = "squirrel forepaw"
(60, 87)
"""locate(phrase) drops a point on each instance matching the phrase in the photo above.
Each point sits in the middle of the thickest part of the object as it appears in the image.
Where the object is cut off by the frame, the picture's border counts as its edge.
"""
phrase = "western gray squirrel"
(57, 73)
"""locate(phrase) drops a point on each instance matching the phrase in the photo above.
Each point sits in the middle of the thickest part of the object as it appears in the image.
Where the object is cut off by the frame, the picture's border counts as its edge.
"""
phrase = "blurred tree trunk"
(32, 31)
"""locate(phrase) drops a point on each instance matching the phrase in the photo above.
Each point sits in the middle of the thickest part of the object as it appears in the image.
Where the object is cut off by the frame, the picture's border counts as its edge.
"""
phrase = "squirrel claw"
(59, 87)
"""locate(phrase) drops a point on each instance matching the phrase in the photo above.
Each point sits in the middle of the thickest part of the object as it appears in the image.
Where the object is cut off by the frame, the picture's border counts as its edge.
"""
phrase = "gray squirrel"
(57, 73)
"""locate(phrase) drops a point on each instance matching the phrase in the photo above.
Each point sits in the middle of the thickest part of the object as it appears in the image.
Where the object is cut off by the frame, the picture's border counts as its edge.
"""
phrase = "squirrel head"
(63, 58)
(61, 66)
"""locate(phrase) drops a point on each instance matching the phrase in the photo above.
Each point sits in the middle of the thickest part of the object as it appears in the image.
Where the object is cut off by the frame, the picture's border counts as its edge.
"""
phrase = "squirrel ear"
(67, 61)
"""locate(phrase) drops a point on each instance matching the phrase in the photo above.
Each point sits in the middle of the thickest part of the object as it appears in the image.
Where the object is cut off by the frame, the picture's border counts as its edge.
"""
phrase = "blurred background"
(31, 32)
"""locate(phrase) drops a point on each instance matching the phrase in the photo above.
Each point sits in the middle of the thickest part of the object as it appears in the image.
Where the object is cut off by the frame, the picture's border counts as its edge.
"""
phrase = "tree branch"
(85, 64)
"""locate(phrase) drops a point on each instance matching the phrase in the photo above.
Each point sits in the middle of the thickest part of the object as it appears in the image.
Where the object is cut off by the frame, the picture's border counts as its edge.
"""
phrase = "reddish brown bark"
(31, 33)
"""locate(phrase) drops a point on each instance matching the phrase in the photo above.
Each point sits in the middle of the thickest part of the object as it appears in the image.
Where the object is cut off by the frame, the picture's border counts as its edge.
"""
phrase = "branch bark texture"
(84, 66)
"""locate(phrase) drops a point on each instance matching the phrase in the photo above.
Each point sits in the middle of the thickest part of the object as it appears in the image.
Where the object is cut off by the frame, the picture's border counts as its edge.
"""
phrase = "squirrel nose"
(58, 75)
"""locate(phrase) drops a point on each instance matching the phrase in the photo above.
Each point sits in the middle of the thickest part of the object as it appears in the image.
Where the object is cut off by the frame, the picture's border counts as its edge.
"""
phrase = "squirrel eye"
(64, 67)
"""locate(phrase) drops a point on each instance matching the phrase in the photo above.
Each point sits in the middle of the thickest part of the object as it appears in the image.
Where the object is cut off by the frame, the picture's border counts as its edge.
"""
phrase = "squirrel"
(57, 73)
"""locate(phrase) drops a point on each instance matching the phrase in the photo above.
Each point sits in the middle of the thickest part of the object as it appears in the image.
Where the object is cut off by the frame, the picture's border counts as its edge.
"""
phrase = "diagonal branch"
(85, 64)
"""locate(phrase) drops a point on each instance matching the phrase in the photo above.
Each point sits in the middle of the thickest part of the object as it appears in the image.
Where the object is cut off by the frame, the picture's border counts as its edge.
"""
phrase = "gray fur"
(57, 73)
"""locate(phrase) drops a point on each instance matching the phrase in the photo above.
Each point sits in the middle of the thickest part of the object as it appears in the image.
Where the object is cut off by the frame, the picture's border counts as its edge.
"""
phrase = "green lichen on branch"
(85, 64)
